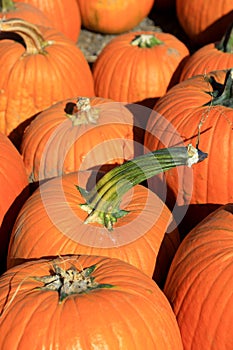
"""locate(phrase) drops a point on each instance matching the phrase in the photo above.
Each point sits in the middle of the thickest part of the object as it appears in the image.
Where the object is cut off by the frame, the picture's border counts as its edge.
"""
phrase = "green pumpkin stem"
(146, 41)
(30, 33)
(226, 44)
(222, 94)
(6, 6)
(103, 201)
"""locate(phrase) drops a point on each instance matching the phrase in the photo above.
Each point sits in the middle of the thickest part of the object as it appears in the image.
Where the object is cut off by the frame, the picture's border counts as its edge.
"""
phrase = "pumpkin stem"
(29, 32)
(103, 201)
(83, 112)
(222, 94)
(226, 44)
(6, 6)
(70, 281)
(146, 41)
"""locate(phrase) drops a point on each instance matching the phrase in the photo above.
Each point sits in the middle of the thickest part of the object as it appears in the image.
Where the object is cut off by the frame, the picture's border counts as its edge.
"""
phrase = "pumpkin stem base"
(70, 281)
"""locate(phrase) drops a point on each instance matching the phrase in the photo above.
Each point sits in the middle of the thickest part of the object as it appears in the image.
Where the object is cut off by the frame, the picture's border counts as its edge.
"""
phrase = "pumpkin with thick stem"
(114, 217)
(78, 134)
(85, 302)
(44, 69)
(28, 12)
(138, 66)
(213, 56)
(200, 283)
(64, 15)
(200, 105)
(113, 17)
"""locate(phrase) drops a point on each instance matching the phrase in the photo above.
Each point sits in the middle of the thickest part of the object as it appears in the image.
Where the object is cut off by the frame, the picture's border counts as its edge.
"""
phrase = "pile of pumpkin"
(111, 236)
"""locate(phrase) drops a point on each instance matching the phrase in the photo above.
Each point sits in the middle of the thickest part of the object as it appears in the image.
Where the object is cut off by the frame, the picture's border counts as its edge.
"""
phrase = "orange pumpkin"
(210, 57)
(13, 192)
(204, 23)
(64, 15)
(48, 69)
(200, 283)
(138, 65)
(93, 301)
(113, 17)
(202, 102)
(28, 12)
(78, 134)
(115, 218)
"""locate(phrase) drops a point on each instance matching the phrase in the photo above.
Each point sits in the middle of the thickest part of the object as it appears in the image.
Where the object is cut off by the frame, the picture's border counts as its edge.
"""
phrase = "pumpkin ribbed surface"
(138, 65)
(57, 141)
(51, 222)
(28, 12)
(13, 192)
(200, 283)
(64, 15)
(50, 69)
(175, 121)
(113, 17)
(124, 309)
(204, 23)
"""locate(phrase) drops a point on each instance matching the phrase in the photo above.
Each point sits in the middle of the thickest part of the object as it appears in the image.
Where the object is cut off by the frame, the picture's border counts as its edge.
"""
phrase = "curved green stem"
(226, 44)
(222, 94)
(103, 201)
(7, 5)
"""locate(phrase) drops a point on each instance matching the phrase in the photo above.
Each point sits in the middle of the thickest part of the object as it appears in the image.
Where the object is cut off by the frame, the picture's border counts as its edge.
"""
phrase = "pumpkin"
(204, 23)
(13, 192)
(64, 15)
(201, 105)
(113, 17)
(114, 216)
(200, 282)
(47, 69)
(213, 56)
(138, 65)
(86, 302)
(12, 9)
(77, 134)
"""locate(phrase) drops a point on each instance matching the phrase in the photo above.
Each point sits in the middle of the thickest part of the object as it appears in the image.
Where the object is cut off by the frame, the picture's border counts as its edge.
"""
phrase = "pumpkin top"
(146, 41)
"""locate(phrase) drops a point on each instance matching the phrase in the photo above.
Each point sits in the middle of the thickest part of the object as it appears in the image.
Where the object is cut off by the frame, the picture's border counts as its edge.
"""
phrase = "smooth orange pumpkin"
(48, 69)
(138, 65)
(204, 22)
(78, 134)
(93, 301)
(213, 56)
(13, 192)
(64, 15)
(202, 102)
(28, 12)
(200, 283)
(114, 216)
(113, 17)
